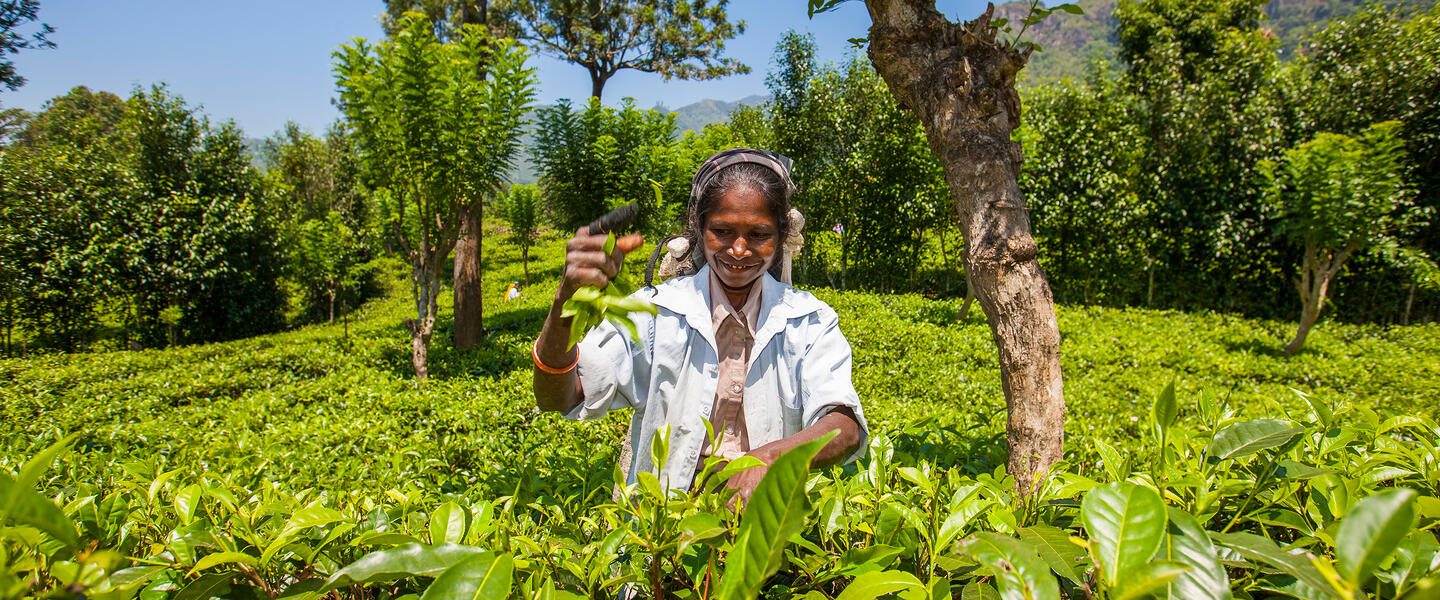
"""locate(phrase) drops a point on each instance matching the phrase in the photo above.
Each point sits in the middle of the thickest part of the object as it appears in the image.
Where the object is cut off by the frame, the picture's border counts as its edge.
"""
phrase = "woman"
(765, 363)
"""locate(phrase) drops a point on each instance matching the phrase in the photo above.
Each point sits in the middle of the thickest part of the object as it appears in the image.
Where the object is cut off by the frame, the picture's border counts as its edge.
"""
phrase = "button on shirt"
(734, 334)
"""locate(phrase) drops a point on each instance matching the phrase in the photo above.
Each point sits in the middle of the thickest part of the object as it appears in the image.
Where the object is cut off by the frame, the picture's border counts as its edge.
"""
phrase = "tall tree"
(448, 19)
(959, 79)
(682, 39)
(13, 15)
(436, 137)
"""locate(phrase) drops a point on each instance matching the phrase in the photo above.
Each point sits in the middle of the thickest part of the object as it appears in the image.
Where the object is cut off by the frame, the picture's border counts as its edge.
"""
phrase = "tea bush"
(308, 463)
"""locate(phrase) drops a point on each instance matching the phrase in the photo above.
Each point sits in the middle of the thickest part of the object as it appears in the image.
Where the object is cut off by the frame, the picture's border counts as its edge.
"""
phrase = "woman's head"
(750, 191)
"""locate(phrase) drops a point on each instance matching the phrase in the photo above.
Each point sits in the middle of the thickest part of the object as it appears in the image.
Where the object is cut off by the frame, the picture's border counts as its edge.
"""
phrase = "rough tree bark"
(469, 293)
(426, 261)
(960, 81)
(427, 290)
(469, 325)
(1317, 270)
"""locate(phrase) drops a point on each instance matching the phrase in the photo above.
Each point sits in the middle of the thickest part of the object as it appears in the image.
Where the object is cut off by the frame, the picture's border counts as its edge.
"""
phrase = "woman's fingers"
(580, 276)
(586, 262)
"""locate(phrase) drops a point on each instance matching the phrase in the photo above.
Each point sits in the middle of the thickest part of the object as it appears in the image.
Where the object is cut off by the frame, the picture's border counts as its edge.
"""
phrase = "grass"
(315, 407)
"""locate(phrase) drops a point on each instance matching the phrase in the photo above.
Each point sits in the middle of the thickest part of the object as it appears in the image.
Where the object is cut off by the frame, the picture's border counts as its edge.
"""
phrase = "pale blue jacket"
(799, 371)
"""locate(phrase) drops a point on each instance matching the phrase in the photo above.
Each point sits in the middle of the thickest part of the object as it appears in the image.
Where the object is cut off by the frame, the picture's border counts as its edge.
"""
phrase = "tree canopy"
(681, 39)
(436, 139)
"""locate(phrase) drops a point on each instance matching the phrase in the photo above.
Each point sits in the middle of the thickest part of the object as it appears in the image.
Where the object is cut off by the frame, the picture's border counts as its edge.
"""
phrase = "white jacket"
(799, 371)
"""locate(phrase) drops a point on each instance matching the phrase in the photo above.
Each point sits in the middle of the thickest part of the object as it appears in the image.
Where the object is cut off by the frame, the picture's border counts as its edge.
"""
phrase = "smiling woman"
(733, 348)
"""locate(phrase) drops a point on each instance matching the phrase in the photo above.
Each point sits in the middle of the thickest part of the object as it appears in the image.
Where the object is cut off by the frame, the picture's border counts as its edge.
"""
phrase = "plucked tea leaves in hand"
(590, 305)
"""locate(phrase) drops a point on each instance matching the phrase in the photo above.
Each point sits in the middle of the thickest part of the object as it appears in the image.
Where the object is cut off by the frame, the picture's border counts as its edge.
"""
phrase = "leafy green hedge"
(278, 465)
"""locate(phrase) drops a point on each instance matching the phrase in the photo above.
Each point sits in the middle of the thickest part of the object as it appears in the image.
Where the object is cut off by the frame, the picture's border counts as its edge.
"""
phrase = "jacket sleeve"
(614, 369)
(825, 376)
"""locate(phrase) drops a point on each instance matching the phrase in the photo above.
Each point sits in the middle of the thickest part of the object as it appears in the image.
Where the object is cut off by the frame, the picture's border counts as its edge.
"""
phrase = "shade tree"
(435, 137)
(959, 80)
(1336, 196)
(675, 39)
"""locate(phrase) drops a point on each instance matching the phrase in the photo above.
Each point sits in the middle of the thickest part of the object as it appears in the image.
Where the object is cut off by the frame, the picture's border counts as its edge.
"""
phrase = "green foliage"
(80, 118)
(862, 163)
(601, 158)
(1084, 181)
(435, 137)
(682, 39)
(13, 15)
(1202, 75)
(195, 468)
(324, 215)
(141, 213)
(1335, 191)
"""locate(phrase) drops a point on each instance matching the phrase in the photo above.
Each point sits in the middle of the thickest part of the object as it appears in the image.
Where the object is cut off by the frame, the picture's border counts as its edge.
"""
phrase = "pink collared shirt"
(734, 334)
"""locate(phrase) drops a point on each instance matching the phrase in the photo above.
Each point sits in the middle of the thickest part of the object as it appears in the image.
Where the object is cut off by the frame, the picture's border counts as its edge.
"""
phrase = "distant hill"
(691, 117)
(694, 117)
(1069, 42)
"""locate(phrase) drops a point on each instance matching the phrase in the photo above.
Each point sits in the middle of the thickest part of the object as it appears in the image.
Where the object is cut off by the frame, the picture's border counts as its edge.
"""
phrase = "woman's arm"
(841, 419)
(585, 264)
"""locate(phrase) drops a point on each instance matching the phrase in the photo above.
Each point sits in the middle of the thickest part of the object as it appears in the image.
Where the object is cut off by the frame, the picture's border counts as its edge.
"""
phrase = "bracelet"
(535, 356)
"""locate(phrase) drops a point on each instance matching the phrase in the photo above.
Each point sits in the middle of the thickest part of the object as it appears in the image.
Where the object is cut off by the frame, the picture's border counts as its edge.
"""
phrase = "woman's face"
(741, 237)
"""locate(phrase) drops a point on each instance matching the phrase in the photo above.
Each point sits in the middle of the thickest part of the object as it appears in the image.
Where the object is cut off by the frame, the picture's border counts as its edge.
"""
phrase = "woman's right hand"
(587, 264)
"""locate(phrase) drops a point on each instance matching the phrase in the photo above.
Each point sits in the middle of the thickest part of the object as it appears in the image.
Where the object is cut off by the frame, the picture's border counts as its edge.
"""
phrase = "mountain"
(1069, 42)
(694, 117)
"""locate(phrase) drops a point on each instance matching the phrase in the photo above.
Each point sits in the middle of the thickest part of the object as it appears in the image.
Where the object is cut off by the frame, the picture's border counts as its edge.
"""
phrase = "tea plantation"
(310, 464)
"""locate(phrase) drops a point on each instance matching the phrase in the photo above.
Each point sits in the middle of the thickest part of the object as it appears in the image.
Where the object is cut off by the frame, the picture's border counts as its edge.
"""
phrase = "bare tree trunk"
(960, 81)
(469, 295)
(427, 292)
(1317, 269)
(1150, 287)
(1409, 303)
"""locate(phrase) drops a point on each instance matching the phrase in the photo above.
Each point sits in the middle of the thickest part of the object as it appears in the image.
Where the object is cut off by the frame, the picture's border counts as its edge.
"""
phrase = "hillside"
(1069, 42)
(284, 465)
(313, 388)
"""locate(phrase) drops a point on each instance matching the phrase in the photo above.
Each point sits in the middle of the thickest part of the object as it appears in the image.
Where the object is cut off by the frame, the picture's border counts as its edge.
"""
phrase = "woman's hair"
(740, 176)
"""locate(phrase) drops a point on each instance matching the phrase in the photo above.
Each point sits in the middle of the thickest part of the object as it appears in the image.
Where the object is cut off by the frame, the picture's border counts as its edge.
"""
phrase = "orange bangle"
(535, 356)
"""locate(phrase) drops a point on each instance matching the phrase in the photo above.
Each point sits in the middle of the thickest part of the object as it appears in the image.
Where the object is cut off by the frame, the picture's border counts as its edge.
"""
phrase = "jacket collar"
(688, 296)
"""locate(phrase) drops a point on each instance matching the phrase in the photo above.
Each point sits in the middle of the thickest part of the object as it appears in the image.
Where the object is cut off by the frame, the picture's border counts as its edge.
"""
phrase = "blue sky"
(263, 62)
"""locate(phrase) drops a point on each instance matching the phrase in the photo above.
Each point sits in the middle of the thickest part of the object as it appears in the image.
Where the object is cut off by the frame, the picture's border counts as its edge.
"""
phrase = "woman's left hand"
(745, 481)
